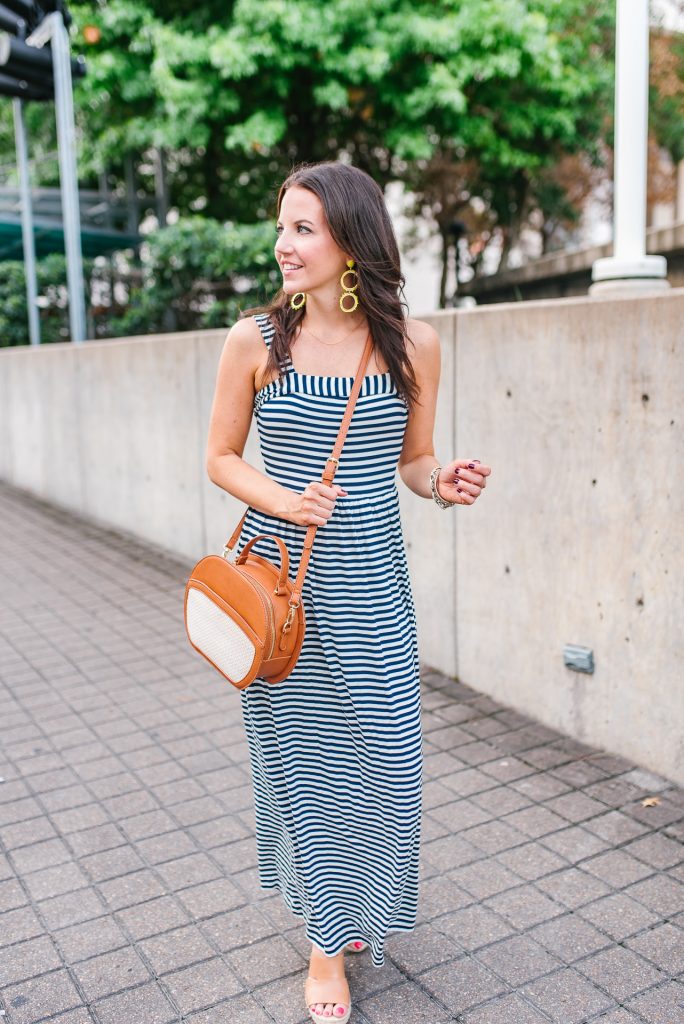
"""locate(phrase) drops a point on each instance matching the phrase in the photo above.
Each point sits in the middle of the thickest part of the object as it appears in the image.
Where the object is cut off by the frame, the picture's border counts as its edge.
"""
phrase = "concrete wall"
(579, 537)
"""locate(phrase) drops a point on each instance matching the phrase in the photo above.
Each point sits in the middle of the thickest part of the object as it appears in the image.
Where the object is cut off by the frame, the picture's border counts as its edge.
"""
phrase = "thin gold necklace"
(331, 344)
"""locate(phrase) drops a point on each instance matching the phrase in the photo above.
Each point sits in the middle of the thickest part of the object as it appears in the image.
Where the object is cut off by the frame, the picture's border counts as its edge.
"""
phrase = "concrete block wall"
(579, 537)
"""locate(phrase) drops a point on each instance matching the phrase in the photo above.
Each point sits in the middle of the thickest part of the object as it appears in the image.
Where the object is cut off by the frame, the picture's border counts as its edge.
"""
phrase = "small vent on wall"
(580, 659)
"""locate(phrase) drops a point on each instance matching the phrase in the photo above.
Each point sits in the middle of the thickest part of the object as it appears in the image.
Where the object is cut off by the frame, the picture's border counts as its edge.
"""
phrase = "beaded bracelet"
(442, 502)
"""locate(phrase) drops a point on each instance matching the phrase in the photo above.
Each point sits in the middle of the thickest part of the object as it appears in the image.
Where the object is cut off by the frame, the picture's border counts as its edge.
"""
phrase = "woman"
(336, 748)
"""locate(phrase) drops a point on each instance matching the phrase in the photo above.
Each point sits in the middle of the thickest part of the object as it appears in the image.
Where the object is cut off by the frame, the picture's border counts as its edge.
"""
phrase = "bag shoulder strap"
(331, 465)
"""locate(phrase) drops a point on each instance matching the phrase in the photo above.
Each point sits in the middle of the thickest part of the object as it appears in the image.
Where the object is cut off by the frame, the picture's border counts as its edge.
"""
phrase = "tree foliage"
(482, 107)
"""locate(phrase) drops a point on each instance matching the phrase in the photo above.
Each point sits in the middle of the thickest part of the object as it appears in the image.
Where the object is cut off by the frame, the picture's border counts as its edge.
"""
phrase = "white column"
(27, 223)
(629, 268)
(679, 205)
(66, 137)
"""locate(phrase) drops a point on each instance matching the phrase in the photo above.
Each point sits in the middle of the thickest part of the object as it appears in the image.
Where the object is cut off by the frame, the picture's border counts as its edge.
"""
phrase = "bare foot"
(326, 989)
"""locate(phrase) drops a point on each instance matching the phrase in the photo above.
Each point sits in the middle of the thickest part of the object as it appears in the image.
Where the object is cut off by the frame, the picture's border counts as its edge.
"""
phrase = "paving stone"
(177, 948)
(148, 801)
(19, 924)
(145, 1003)
(572, 887)
(89, 938)
(210, 898)
(617, 868)
(186, 871)
(567, 997)
(95, 840)
(169, 846)
(524, 907)
(508, 769)
(657, 850)
(440, 895)
(661, 1005)
(239, 1010)
(615, 827)
(484, 878)
(462, 984)
(152, 917)
(133, 888)
(473, 927)
(459, 815)
(574, 844)
(618, 916)
(618, 1017)
(620, 972)
(29, 959)
(26, 832)
(509, 1009)
(73, 907)
(451, 851)
(494, 836)
(501, 800)
(468, 781)
(570, 938)
(212, 834)
(36, 998)
(452, 737)
(663, 946)
(77, 818)
(541, 785)
(435, 794)
(64, 797)
(655, 816)
(575, 807)
(531, 861)
(110, 972)
(121, 860)
(200, 985)
(11, 895)
(35, 856)
(518, 959)
(579, 774)
(421, 949)
(404, 1004)
(661, 893)
(536, 821)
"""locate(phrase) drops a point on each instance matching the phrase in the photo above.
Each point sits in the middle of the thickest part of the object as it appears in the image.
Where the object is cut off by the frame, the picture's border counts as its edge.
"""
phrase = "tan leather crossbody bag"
(246, 616)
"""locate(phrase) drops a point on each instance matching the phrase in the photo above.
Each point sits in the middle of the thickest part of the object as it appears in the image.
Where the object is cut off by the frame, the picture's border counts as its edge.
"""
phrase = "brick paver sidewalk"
(128, 886)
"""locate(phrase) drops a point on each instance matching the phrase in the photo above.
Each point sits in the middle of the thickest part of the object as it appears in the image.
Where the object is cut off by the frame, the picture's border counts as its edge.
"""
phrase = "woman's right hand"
(314, 506)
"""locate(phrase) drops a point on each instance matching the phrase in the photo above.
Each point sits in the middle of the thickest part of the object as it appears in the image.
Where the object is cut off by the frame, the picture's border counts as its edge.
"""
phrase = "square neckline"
(291, 369)
(320, 376)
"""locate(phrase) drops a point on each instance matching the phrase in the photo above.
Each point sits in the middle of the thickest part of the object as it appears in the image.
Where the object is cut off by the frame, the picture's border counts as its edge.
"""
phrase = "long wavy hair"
(359, 223)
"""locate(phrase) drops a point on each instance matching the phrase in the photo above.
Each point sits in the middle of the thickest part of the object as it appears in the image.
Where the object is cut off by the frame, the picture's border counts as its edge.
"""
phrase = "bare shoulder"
(244, 338)
(424, 350)
(245, 353)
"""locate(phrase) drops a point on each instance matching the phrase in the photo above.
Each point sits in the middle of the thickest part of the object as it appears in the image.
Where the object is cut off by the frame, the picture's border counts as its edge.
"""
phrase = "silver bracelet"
(442, 502)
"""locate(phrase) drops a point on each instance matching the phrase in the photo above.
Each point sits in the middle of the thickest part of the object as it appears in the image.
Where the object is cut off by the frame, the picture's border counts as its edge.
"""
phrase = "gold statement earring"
(348, 290)
(294, 304)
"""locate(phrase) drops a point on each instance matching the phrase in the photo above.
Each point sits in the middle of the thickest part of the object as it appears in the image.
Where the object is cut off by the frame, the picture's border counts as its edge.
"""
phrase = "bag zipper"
(270, 616)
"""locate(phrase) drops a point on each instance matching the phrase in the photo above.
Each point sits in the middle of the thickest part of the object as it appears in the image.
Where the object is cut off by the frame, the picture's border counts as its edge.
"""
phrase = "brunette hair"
(358, 221)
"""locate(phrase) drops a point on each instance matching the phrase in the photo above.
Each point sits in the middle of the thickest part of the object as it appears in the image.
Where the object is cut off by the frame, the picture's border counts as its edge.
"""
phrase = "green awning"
(49, 238)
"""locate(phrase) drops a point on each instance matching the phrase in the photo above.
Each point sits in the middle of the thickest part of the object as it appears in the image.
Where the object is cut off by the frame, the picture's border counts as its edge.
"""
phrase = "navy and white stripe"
(336, 748)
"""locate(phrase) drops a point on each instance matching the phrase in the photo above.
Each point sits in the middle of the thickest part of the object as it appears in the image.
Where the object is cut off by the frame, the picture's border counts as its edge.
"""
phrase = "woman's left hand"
(462, 480)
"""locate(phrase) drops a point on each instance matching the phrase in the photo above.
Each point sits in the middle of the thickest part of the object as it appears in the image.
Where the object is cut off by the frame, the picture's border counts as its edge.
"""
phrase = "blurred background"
(489, 125)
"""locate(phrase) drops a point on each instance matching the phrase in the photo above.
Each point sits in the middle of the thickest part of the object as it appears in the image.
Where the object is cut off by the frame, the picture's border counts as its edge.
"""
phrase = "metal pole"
(66, 135)
(629, 267)
(26, 222)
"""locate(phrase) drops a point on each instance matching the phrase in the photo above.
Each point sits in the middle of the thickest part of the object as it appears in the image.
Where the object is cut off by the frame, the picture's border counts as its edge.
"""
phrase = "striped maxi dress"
(336, 748)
